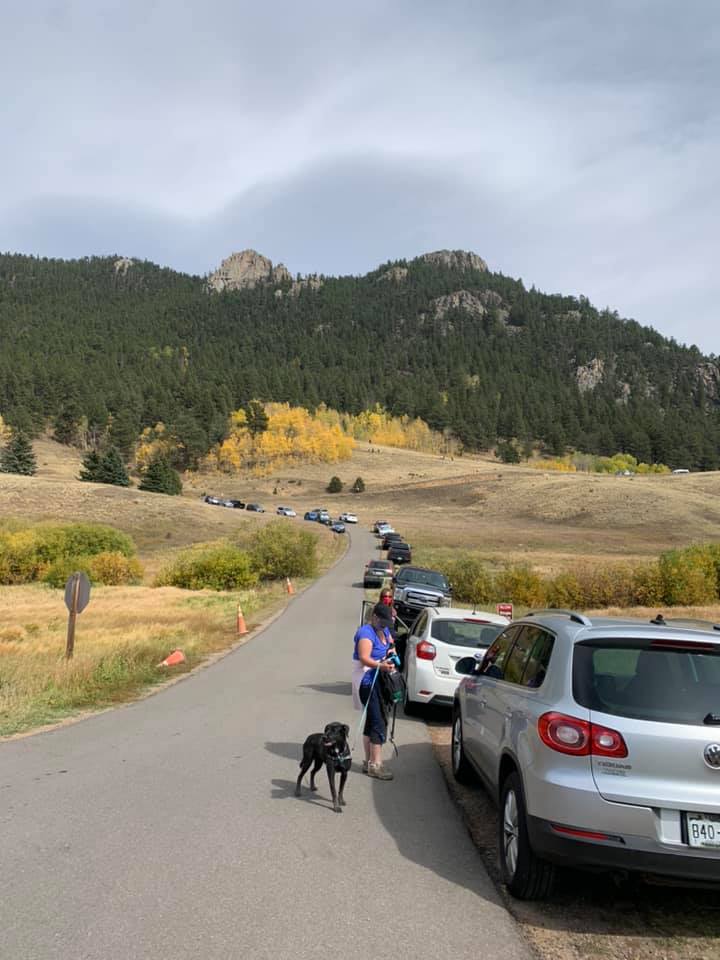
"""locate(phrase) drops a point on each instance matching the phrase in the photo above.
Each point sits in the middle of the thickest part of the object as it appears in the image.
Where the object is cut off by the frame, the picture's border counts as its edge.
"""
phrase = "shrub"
(26, 554)
(115, 569)
(647, 585)
(335, 485)
(522, 585)
(471, 581)
(219, 566)
(57, 573)
(358, 486)
(565, 592)
(279, 551)
(689, 577)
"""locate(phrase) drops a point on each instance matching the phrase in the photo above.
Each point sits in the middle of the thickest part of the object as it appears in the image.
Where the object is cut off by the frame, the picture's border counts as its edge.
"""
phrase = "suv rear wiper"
(712, 719)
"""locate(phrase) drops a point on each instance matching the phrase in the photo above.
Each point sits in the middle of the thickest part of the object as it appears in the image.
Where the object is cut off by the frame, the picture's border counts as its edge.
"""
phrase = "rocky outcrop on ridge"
(455, 260)
(246, 270)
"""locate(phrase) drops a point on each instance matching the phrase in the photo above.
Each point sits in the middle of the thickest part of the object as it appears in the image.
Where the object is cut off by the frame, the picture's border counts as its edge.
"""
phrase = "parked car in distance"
(337, 526)
(599, 740)
(440, 638)
(417, 588)
(383, 529)
(325, 519)
(235, 504)
(378, 524)
(213, 501)
(399, 552)
(311, 515)
(323, 515)
(389, 538)
(255, 507)
(286, 512)
(376, 571)
(348, 518)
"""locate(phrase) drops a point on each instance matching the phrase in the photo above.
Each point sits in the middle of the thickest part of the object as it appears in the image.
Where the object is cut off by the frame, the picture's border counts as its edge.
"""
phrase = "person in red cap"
(373, 643)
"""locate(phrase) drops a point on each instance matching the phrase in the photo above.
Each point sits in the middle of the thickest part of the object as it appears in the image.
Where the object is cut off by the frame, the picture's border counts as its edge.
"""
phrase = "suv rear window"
(648, 682)
(465, 633)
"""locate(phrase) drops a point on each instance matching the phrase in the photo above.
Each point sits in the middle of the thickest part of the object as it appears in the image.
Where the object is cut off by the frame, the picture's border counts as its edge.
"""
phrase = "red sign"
(504, 610)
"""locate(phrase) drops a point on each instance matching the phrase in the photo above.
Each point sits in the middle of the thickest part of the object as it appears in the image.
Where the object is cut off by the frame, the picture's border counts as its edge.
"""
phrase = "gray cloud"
(575, 145)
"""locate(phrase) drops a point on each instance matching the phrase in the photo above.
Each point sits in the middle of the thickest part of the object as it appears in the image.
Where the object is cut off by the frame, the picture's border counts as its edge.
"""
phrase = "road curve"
(168, 828)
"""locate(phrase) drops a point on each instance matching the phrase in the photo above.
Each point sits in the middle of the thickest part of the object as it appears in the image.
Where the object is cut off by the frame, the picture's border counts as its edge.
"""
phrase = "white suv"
(440, 637)
(600, 741)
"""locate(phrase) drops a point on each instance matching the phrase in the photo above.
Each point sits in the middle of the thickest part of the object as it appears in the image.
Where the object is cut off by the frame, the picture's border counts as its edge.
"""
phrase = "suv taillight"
(425, 651)
(578, 738)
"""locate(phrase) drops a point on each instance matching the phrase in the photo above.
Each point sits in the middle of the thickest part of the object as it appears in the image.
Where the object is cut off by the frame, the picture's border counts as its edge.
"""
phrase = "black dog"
(330, 748)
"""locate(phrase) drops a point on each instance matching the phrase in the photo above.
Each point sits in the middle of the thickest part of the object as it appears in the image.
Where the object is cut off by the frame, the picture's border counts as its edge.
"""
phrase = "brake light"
(578, 738)
(425, 651)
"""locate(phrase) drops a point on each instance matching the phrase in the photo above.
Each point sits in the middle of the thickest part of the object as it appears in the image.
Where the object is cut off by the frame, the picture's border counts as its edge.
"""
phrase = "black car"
(389, 539)
(255, 507)
(399, 552)
(236, 504)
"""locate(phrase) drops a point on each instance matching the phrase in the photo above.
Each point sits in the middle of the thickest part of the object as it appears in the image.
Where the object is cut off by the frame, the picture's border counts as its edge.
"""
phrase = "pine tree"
(90, 467)
(161, 478)
(17, 456)
(112, 469)
(335, 485)
(257, 419)
(358, 486)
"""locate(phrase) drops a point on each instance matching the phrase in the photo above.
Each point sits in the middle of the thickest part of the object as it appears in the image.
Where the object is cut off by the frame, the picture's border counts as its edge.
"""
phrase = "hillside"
(508, 513)
(103, 347)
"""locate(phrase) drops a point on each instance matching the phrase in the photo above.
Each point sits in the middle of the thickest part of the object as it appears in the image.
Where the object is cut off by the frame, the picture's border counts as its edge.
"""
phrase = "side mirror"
(467, 666)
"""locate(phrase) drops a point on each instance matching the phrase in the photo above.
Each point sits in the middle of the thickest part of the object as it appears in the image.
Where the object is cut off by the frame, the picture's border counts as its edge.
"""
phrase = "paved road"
(168, 828)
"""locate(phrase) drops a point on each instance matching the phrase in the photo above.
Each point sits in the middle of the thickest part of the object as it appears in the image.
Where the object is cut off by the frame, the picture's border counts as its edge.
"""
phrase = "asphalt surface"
(168, 828)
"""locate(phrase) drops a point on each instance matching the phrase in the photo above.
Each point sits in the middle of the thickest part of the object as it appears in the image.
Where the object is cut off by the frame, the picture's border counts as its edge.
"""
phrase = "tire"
(462, 771)
(526, 876)
(411, 707)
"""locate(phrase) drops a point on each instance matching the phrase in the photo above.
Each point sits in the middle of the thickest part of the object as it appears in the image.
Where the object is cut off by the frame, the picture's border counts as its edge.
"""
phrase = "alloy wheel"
(510, 832)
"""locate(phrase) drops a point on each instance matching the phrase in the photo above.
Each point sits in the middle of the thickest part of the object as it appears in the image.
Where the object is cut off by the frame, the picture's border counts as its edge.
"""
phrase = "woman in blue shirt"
(373, 642)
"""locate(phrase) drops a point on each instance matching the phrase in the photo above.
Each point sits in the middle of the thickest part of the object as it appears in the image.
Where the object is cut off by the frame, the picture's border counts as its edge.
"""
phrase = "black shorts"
(375, 726)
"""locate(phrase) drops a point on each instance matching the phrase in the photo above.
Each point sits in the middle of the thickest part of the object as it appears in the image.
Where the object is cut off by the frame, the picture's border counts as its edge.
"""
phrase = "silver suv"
(600, 741)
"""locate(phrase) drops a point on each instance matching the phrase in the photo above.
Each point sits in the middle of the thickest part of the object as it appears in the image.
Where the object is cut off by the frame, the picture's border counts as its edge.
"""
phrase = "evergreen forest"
(100, 353)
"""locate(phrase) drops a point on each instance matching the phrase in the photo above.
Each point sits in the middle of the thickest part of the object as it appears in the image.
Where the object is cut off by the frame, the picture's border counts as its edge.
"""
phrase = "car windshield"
(465, 633)
(427, 577)
(647, 681)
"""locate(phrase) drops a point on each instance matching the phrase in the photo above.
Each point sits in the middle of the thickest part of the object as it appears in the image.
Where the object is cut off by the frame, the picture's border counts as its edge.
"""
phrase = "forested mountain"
(106, 340)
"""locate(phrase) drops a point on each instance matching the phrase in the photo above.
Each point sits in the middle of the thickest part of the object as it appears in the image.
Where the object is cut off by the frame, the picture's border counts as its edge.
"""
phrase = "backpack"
(392, 688)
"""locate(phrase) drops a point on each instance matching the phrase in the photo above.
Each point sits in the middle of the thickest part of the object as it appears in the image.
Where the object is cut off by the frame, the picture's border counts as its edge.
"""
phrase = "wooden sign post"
(77, 597)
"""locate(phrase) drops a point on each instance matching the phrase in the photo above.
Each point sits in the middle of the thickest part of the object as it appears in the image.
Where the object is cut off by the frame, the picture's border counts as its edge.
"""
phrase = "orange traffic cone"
(172, 659)
(290, 587)
(241, 625)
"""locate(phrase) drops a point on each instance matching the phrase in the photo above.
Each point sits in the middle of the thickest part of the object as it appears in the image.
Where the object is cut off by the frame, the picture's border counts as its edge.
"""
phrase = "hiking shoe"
(365, 766)
(379, 772)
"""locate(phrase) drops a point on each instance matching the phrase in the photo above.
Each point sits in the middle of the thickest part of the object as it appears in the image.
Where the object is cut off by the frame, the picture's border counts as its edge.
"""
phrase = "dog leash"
(362, 715)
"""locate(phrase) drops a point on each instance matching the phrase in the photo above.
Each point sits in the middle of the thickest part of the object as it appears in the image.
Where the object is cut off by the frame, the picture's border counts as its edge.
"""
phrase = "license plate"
(703, 829)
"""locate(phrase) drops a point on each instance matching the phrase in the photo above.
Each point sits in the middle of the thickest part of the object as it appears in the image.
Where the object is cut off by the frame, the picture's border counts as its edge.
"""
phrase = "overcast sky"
(573, 143)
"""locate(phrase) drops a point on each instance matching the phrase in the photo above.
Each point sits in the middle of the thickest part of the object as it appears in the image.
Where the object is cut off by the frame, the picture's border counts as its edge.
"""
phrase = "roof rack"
(660, 621)
(573, 614)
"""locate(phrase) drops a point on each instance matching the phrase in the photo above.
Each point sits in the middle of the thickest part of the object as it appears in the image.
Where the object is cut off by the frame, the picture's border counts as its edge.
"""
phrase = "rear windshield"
(638, 680)
(427, 577)
(465, 633)
(380, 564)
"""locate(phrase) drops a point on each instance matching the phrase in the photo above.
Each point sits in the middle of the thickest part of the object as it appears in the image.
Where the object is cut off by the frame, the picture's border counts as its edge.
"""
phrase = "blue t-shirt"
(379, 649)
